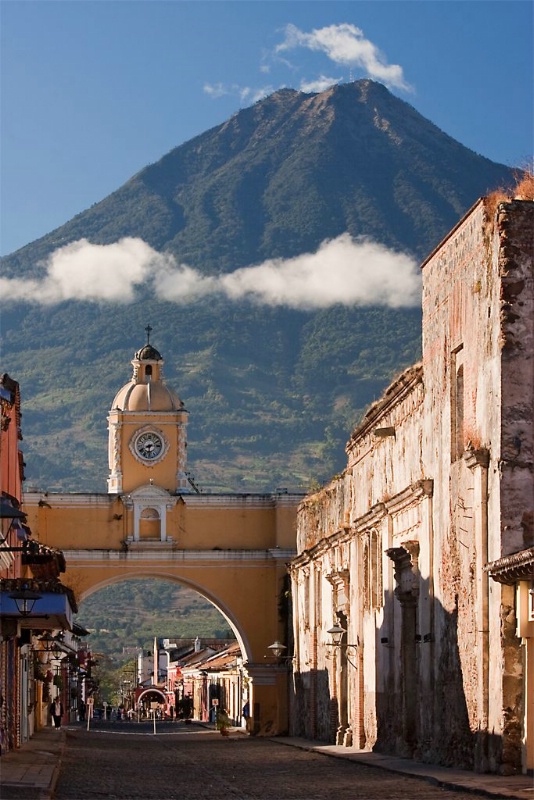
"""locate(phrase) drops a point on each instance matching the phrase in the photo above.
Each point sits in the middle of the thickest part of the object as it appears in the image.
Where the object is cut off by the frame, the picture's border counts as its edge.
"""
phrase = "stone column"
(340, 581)
(407, 593)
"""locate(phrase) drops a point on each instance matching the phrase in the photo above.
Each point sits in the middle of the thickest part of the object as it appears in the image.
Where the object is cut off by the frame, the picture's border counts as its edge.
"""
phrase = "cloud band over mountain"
(342, 271)
(345, 45)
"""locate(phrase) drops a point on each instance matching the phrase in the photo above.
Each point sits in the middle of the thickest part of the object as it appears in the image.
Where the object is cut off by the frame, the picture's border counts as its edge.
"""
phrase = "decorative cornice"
(372, 518)
(166, 555)
(413, 493)
(324, 545)
(405, 560)
(222, 501)
(338, 577)
(60, 500)
(396, 391)
(477, 458)
(275, 500)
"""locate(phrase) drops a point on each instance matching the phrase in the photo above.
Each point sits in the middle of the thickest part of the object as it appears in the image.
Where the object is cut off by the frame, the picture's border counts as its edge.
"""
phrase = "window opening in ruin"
(457, 404)
(372, 571)
(306, 597)
(318, 597)
(376, 570)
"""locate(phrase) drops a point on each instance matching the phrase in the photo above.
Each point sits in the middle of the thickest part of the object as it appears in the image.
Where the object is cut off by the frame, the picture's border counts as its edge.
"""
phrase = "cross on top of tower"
(148, 330)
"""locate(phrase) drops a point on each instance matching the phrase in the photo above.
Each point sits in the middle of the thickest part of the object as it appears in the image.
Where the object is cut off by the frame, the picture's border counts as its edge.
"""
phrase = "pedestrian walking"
(56, 710)
(246, 716)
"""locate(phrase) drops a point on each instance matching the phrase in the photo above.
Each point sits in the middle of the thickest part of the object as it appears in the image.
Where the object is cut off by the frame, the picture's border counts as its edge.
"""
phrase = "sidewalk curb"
(469, 782)
(49, 793)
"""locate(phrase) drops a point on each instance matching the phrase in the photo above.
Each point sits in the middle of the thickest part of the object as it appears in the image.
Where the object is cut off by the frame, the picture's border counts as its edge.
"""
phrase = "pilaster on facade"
(340, 581)
(405, 559)
(115, 456)
(477, 458)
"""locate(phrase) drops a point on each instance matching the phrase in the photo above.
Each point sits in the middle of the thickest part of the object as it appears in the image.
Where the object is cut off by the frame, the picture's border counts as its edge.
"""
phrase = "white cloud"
(179, 283)
(342, 271)
(246, 94)
(84, 271)
(215, 89)
(346, 45)
(318, 85)
(263, 91)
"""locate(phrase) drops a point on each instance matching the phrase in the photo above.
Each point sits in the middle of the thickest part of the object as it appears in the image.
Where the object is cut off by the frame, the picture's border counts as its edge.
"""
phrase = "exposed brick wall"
(440, 467)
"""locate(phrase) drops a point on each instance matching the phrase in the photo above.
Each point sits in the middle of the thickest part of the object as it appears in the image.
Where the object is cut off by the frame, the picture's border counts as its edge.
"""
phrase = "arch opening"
(158, 634)
(216, 618)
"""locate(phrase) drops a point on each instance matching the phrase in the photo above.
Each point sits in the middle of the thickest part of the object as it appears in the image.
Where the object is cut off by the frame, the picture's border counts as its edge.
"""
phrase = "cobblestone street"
(195, 763)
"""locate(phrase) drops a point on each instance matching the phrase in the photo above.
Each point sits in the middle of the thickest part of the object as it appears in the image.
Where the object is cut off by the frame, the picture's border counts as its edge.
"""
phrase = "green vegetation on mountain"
(272, 392)
(131, 613)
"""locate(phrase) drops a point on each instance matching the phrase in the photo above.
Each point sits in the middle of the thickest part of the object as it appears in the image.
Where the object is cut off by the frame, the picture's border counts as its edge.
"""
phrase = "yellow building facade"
(231, 548)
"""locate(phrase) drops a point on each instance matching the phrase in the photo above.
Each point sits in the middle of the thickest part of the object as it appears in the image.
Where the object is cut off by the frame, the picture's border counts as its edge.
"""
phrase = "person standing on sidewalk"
(56, 710)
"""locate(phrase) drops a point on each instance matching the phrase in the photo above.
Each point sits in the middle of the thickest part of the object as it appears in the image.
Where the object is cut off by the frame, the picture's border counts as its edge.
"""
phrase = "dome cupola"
(147, 391)
(147, 430)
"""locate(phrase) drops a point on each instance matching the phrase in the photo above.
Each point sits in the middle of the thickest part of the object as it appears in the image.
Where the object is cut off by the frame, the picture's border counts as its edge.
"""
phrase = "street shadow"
(421, 675)
(416, 704)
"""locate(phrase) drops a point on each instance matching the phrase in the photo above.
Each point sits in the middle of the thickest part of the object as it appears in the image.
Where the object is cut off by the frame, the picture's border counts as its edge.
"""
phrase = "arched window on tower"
(149, 524)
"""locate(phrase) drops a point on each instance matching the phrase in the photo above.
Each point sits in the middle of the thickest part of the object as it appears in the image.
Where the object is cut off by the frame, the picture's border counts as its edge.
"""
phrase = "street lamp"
(25, 600)
(277, 650)
(51, 645)
(9, 512)
(337, 633)
(17, 519)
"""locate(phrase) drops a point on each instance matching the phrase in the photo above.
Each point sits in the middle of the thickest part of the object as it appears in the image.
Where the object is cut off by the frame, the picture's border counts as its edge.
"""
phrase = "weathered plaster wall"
(514, 235)
(342, 533)
(514, 232)
(438, 482)
(478, 315)
(462, 374)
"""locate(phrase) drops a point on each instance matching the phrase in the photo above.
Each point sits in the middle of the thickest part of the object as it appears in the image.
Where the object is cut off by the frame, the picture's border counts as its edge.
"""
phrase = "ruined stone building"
(420, 555)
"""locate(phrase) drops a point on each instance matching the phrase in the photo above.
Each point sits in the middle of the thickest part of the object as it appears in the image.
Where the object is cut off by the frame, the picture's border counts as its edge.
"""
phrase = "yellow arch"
(232, 549)
(226, 613)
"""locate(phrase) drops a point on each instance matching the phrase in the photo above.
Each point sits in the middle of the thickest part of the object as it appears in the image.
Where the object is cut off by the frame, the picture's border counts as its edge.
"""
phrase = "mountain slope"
(272, 392)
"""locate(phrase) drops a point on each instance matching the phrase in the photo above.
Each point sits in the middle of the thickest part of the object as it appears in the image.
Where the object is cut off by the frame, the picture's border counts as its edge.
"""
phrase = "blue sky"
(94, 90)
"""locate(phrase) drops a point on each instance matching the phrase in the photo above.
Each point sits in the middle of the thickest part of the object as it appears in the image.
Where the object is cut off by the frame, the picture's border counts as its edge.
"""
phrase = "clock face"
(149, 445)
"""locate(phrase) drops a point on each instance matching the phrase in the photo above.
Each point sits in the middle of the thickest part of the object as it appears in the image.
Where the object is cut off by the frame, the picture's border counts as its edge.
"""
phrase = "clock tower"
(147, 430)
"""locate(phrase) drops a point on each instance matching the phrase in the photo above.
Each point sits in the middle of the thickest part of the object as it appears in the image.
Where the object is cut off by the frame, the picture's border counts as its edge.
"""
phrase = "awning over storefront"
(53, 609)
